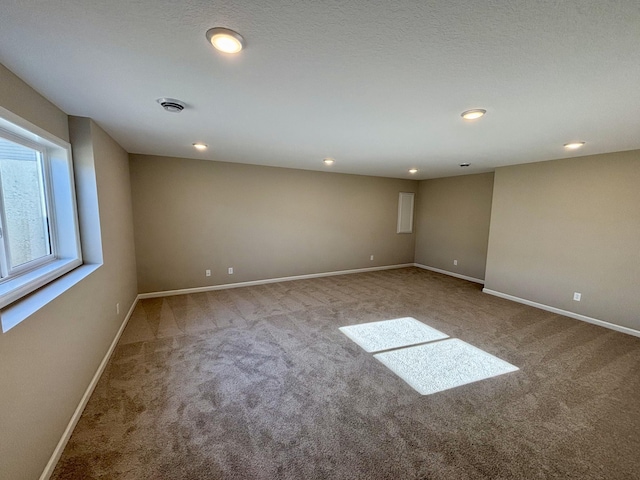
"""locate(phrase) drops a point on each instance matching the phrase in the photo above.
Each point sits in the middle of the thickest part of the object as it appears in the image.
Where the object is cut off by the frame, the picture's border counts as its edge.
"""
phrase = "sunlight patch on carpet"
(387, 334)
(443, 365)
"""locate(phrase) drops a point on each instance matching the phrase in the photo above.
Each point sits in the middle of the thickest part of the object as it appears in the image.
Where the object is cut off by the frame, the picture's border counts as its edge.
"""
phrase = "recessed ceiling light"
(473, 114)
(328, 161)
(465, 164)
(413, 170)
(573, 145)
(171, 104)
(225, 40)
(200, 146)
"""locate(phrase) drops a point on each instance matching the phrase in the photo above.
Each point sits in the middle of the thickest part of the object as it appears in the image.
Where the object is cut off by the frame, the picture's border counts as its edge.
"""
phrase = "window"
(24, 229)
(39, 238)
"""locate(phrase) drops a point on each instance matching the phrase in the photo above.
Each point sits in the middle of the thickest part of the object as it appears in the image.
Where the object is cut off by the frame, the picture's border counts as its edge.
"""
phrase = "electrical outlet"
(207, 273)
(577, 296)
(117, 309)
(230, 270)
(455, 262)
(371, 257)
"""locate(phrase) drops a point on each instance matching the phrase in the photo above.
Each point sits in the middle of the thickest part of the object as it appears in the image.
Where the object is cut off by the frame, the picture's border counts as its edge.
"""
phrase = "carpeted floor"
(259, 383)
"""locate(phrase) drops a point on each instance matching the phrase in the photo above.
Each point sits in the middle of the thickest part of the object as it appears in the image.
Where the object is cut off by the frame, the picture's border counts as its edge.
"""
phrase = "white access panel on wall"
(405, 212)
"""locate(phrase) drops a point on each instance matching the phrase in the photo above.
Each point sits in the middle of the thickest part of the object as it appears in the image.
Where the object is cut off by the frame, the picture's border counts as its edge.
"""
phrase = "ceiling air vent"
(171, 104)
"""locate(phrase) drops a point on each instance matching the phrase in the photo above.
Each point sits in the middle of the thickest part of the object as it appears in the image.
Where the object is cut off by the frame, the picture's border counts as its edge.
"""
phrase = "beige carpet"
(259, 383)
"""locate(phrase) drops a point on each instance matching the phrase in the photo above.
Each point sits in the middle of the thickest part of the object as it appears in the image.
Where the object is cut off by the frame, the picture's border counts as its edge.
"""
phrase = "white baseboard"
(566, 313)
(226, 286)
(51, 465)
(452, 274)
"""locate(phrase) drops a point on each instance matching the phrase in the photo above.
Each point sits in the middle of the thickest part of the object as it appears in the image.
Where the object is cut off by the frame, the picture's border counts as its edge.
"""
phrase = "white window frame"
(62, 213)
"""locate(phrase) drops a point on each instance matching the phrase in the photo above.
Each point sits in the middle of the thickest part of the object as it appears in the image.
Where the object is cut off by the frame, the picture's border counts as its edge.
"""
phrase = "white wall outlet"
(455, 262)
(577, 296)
(207, 273)
(371, 257)
(230, 270)
(117, 309)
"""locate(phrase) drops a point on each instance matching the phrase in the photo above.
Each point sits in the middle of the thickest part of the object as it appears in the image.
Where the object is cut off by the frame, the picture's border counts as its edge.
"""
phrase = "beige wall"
(48, 360)
(21, 99)
(569, 226)
(264, 222)
(452, 223)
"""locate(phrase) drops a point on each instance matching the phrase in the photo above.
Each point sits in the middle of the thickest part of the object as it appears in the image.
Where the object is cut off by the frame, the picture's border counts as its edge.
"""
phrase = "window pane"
(27, 233)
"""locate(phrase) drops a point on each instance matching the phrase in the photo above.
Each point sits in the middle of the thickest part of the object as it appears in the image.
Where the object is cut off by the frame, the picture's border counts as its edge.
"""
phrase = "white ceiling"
(377, 84)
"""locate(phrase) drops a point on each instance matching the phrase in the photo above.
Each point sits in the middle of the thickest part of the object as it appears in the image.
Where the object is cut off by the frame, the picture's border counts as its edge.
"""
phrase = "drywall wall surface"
(84, 171)
(21, 99)
(48, 360)
(452, 223)
(264, 222)
(116, 213)
(568, 226)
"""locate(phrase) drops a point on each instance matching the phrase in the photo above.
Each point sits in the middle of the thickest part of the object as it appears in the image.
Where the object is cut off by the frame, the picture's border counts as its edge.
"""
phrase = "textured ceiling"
(378, 85)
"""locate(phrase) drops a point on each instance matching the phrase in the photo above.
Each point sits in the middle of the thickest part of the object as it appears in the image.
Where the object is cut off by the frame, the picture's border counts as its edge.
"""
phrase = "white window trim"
(60, 186)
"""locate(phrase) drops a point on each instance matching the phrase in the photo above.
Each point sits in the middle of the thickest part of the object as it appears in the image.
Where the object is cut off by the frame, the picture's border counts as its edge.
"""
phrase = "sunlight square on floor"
(388, 334)
(442, 365)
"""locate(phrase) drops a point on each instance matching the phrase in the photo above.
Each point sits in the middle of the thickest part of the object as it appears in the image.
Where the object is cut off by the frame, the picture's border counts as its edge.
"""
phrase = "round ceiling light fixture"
(413, 171)
(328, 161)
(225, 40)
(473, 114)
(573, 145)
(171, 104)
(200, 146)
(465, 164)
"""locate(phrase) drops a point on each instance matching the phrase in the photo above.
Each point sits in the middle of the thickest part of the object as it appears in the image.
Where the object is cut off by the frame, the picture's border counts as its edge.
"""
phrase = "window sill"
(15, 313)
(16, 288)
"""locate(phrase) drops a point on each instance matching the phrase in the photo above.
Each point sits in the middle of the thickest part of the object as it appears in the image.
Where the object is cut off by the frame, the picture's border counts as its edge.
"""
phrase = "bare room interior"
(319, 240)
